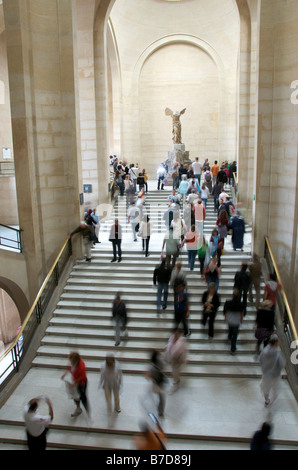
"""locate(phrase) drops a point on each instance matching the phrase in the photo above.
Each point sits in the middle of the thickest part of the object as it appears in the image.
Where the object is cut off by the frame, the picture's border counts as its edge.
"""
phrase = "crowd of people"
(193, 187)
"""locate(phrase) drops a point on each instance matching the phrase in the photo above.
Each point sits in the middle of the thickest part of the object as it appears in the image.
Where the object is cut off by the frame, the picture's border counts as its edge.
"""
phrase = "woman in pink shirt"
(191, 239)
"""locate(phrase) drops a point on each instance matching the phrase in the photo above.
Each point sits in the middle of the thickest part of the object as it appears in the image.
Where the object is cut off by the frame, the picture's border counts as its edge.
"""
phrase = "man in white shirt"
(133, 174)
(161, 174)
(134, 215)
(197, 169)
(37, 424)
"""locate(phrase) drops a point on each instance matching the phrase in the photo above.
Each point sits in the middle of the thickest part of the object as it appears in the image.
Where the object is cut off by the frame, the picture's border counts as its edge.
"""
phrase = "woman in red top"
(78, 371)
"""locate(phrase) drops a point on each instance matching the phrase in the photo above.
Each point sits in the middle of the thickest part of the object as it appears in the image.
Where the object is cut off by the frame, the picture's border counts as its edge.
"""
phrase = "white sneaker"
(77, 412)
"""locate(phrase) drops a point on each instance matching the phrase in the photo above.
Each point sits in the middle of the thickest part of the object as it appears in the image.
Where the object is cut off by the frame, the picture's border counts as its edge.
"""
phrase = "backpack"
(208, 177)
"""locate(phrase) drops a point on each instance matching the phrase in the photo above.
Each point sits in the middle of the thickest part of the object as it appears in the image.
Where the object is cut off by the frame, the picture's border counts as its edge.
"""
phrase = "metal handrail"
(282, 290)
(18, 241)
(36, 306)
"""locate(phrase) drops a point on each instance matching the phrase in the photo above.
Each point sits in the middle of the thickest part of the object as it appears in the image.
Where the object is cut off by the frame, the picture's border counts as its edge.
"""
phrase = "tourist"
(197, 170)
(204, 254)
(260, 439)
(171, 247)
(216, 190)
(255, 271)
(134, 216)
(212, 271)
(191, 240)
(272, 363)
(111, 381)
(96, 225)
(176, 354)
(157, 376)
(214, 171)
(264, 326)
(208, 179)
(211, 302)
(119, 179)
(271, 290)
(150, 440)
(232, 170)
(145, 233)
(215, 244)
(200, 216)
(161, 174)
(233, 314)
(237, 225)
(242, 283)
(181, 307)
(36, 424)
(87, 232)
(116, 239)
(183, 187)
(161, 276)
(120, 318)
(204, 194)
(146, 179)
(222, 224)
(79, 377)
(133, 174)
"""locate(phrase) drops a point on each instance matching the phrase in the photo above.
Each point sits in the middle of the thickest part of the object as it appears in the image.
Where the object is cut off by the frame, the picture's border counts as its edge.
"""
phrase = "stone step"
(12, 437)
(138, 318)
(225, 370)
(194, 357)
(142, 334)
(204, 346)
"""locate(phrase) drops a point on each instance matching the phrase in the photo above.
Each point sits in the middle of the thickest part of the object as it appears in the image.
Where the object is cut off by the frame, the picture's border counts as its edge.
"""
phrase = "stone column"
(40, 53)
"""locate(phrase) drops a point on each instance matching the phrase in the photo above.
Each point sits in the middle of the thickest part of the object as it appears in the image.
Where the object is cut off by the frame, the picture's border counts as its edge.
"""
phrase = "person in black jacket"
(161, 276)
(242, 283)
(264, 324)
(211, 301)
(120, 318)
(260, 439)
(88, 235)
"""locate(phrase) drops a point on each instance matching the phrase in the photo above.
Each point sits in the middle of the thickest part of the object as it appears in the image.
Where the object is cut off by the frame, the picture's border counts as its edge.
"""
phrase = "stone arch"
(17, 295)
(212, 55)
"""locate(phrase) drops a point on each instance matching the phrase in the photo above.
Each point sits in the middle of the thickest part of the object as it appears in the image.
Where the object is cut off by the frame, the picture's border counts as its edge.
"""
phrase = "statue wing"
(169, 112)
(183, 111)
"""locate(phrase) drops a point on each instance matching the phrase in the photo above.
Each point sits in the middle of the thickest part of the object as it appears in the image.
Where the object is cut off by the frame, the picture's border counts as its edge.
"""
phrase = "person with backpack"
(208, 179)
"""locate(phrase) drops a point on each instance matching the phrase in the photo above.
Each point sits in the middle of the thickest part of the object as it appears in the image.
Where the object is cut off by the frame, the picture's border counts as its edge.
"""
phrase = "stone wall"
(177, 55)
(40, 53)
(276, 207)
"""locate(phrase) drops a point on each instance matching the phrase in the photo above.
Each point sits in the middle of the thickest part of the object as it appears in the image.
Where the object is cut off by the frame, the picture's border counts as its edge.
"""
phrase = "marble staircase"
(219, 404)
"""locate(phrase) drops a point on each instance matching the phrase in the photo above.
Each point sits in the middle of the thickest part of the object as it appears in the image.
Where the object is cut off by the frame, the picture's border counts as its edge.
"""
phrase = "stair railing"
(10, 360)
(12, 241)
(285, 324)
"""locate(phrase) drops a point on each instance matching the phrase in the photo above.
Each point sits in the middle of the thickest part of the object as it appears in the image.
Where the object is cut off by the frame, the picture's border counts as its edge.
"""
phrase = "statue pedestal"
(177, 154)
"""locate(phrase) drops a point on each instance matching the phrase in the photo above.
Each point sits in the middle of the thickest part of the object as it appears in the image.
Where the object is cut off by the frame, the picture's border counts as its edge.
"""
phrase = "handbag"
(262, 333)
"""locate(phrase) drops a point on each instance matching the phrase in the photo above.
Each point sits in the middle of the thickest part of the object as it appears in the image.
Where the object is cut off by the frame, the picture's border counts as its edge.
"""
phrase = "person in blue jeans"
(181, 308)
(234, 313)
(161, 277)
(191, 239)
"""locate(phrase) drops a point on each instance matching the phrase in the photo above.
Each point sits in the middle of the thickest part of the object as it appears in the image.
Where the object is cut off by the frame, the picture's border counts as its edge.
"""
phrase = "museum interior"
(84, 80)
